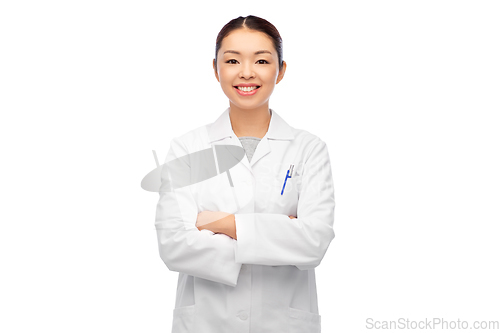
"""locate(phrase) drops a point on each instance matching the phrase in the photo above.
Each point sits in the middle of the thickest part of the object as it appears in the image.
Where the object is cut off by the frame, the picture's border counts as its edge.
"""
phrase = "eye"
(229, 61)
(265, 61)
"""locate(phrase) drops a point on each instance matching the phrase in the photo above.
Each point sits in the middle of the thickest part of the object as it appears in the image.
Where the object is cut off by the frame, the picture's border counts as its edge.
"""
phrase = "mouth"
(246, 91)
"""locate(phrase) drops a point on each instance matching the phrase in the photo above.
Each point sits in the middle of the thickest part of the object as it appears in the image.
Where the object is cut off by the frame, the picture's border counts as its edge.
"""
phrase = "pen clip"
(291, 171)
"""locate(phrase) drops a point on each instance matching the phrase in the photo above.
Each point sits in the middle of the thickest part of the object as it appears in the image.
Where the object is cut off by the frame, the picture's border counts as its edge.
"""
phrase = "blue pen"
(288, 175)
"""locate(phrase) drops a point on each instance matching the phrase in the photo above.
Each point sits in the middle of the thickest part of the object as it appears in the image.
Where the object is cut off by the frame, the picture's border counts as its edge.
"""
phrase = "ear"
(281, 73)
(215, 70)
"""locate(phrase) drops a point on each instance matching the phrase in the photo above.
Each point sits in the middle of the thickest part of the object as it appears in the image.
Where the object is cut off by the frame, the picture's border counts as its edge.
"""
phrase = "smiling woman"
(246, 242)
(248, 62)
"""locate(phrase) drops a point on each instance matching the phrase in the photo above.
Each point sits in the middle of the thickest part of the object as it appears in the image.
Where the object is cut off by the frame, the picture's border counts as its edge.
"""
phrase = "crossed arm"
(225, 225)
(263, 238)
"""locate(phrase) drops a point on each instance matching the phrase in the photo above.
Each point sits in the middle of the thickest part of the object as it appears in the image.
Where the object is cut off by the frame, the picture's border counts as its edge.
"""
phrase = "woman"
(246, 241)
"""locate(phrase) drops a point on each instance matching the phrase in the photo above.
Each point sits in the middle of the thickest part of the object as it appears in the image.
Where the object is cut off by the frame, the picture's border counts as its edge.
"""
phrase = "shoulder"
(304, 135)
(306, 140)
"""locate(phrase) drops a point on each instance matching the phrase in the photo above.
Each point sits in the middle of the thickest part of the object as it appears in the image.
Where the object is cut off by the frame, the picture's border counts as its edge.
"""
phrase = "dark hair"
(253, 23)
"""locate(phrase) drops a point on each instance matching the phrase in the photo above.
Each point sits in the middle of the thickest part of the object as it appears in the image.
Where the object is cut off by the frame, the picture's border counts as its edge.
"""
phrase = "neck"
(250, 122)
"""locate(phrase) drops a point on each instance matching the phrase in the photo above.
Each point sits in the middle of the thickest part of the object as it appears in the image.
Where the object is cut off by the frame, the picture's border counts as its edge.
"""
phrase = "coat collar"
(222, 128)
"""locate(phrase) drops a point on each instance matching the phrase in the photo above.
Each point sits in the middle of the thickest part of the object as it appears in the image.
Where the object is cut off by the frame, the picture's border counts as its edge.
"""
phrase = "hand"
(292, 217)
(217, 222)
(207, 217)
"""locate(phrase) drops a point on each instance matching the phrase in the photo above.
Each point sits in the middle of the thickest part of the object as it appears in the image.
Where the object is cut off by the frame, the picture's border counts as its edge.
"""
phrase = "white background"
(404, 93)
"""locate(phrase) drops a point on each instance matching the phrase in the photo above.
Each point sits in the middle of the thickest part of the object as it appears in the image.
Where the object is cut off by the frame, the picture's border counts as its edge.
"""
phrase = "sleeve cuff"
(245, 234)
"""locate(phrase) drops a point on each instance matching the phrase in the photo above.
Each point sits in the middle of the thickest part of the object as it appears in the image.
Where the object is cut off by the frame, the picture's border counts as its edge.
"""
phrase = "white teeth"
(247, 88)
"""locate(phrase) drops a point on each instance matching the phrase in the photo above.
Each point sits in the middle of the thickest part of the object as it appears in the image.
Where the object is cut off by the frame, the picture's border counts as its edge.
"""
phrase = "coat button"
(243, 316)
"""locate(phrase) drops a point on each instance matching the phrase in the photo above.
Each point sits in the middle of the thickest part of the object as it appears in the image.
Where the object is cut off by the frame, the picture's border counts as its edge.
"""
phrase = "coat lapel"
(221, 132)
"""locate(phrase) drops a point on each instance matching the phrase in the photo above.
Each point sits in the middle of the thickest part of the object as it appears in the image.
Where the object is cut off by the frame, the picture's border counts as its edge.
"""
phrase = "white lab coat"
(263, 282)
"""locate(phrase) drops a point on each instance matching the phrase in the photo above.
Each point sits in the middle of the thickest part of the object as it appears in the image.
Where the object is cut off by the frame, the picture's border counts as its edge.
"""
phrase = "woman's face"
(248, 57)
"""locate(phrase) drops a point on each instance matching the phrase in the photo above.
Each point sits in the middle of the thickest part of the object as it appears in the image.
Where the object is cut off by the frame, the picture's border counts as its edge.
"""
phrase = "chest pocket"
(285, 203)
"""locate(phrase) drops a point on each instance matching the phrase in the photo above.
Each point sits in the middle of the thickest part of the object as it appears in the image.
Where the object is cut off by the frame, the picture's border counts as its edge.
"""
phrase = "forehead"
(247, 42)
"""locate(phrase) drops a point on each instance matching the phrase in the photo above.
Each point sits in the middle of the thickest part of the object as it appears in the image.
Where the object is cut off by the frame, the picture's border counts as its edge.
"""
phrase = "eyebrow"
(258, 52)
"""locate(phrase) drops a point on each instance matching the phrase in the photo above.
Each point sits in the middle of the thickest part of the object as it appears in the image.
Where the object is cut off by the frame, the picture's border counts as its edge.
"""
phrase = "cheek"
(225, 79)
(268, 76)
(226, 74)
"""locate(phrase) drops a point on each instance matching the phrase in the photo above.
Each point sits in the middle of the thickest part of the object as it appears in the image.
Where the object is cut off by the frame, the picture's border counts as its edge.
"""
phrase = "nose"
(247, 71)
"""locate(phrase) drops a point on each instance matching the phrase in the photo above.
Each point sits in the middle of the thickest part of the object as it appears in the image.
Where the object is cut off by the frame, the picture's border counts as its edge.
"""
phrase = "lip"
(247, 93)
(247, 85)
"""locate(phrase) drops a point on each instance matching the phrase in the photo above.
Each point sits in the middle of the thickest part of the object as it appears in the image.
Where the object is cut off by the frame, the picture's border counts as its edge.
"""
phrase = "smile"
(247, 91)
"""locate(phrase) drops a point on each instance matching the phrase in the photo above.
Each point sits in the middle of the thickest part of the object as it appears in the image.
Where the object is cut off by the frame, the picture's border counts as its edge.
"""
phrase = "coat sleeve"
(275, 239)
(184, 248)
